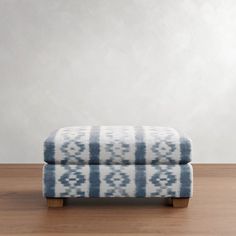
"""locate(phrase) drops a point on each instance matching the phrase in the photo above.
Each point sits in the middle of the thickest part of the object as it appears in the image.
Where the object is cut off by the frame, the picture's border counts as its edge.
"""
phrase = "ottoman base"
(92, 181)
(175, 202)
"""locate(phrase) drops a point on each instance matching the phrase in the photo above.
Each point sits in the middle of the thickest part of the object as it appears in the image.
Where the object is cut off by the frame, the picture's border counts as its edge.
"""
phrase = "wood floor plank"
(23, 210)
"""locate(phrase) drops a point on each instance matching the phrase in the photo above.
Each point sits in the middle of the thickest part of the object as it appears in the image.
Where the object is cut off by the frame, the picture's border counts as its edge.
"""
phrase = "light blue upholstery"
(117, 145)
(117, 180)
(117, 161)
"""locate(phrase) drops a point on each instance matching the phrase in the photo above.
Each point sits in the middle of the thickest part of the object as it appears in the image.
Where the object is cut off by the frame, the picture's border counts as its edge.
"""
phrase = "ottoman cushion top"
(117, 145)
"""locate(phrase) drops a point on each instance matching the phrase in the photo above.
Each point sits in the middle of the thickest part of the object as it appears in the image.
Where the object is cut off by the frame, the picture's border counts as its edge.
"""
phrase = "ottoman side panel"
(49, 148)
(185, 150)
(49, 181)
(63, 181)
(186, 180)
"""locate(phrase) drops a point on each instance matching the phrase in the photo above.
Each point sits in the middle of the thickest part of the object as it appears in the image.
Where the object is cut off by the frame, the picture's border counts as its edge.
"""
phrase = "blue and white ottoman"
(117, 161)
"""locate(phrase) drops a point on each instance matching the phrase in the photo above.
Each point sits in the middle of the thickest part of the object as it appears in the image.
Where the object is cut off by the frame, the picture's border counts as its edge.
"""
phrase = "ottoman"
(117, 161)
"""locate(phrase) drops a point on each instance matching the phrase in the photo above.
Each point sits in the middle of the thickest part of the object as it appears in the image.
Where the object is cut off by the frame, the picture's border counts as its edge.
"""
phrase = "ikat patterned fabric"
(64, 181)
(117, 145)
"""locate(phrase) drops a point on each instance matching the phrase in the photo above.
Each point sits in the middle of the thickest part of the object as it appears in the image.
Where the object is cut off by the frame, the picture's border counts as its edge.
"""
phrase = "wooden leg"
(180, 202)
(55, 202)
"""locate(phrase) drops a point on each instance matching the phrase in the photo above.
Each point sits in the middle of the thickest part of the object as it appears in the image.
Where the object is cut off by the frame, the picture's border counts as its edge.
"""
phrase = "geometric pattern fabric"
(117, 161)
(117, 180)
(111, 145)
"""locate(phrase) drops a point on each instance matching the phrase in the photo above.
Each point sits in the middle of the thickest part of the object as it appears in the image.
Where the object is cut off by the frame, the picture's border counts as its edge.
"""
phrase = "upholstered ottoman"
(117, 161)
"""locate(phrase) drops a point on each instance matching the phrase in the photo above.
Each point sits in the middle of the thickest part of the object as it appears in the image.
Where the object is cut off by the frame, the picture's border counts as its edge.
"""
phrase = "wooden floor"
(212, 211)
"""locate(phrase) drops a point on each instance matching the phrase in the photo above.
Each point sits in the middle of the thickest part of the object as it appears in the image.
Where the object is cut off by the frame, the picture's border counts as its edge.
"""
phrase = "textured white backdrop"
(77, 62)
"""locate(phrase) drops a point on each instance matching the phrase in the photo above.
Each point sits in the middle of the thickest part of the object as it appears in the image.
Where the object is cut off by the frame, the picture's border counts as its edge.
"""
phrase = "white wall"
(77, 62)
